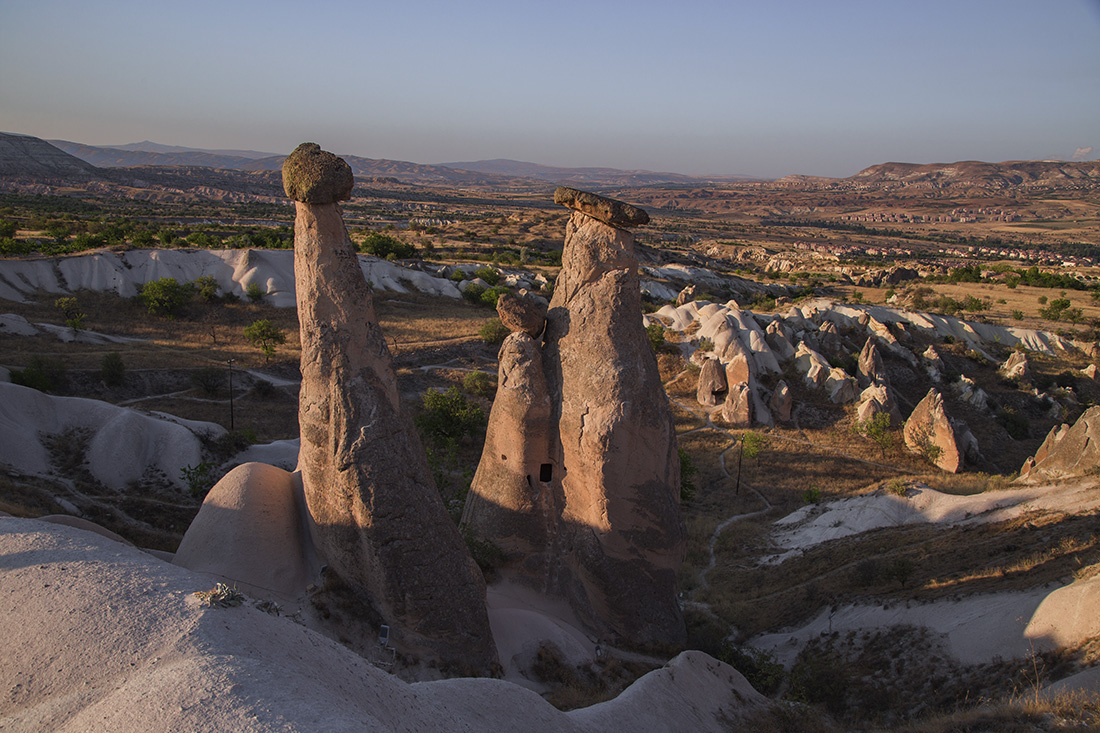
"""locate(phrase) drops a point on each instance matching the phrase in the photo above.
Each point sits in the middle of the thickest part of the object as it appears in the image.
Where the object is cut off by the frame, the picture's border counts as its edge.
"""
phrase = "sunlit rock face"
(378, 520)
(588, 509)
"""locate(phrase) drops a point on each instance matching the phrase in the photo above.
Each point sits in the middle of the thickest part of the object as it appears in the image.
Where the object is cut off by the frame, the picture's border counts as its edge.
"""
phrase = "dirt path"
(708, 424)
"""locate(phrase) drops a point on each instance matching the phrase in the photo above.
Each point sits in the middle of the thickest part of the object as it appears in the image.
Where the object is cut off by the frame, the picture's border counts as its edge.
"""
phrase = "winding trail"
(708, 424)
(725, 523)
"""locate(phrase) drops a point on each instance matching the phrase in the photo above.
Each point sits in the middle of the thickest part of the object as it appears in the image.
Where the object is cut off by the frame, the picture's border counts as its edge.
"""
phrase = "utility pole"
(229, 362)
(740, 454)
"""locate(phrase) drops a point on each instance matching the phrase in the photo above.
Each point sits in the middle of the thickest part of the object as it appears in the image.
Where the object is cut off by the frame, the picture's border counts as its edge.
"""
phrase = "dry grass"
(942, 562)
(1066, 711)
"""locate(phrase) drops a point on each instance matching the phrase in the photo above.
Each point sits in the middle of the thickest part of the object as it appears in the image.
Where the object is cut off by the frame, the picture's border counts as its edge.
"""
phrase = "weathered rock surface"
(781, 402)
(253, 532)
(1016, 367)
(1067, 451)
(829, 338)
(315, 176)
(779, 342)
(870, 369)
(970, 392)
(510, 502)
(609, 211)
(686, 295)
(521, 312)
(930, 432)
(712, 384)
(875, 399)
(737, 409)
(812, 366)
(379, 521)
(581, 489)
(933, 364)
(738, 367)
(618, 467)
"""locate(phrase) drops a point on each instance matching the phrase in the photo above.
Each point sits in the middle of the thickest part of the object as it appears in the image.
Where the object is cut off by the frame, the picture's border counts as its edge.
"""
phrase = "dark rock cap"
(521, 313)
(609, 211)
(315, 176)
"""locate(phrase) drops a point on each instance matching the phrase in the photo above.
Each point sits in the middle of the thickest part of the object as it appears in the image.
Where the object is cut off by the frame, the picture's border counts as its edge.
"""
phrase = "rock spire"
(586, 497)
(378, 520)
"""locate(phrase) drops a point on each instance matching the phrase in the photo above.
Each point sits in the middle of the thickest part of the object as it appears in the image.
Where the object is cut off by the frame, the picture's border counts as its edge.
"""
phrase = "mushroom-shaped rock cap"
(315, 176)
(521, 313)
(609, 211)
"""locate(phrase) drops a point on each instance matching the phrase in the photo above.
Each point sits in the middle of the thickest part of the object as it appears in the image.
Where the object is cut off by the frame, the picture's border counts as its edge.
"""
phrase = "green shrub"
(758, 666)
(165, 297)
(199, 479)
(866, 572)
(900, 569)
(263, 389)
(493, 331)
(254, 292)
(209, 379)
(688, 471)
(490, 296)
(44, 373)
(1015, 424)
(473, 292)
(488, 274)
(752, 444)
(449, 415)
(74, 317)
(111, 369)
(479, 384)
(811, 495)
(265, 336)
(819, 677)
(207, 287)
(656, 334)
(877, 429)
(487, 555)
(387, 247)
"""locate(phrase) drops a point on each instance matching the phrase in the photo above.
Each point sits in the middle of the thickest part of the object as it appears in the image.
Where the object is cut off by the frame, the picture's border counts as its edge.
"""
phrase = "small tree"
(687, 475)
(74, 317)
(111, 370)
(479, 384)
(265, 336)
(656, 334)
(493, 331)
(165, 297)
(254, 292)
(877, 429)
(207, 287)
(752, 445)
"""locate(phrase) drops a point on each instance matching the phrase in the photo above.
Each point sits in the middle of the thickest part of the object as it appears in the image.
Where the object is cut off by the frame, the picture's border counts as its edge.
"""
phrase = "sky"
(815, 87)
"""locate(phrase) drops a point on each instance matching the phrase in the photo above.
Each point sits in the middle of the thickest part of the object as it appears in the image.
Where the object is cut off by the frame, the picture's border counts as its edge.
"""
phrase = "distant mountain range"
(582, 176)
(974, 173)
(479, 172)
(250, 172)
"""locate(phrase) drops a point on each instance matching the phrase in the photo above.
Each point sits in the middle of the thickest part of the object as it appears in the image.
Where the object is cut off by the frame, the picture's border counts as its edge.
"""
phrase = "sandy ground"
(521, 619)
(102, 636)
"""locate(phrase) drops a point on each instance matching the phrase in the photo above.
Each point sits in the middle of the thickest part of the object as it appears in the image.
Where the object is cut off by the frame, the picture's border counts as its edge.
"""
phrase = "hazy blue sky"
(822, 87)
